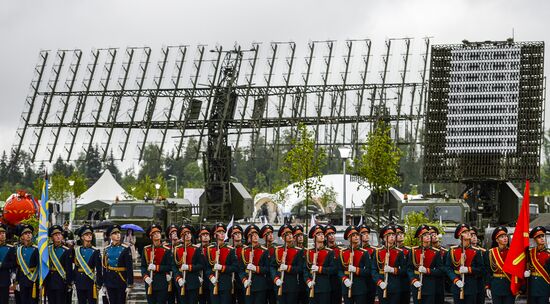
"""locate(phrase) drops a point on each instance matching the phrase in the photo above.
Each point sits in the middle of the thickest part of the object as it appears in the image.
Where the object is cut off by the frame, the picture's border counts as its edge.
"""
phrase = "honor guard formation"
(245, 266)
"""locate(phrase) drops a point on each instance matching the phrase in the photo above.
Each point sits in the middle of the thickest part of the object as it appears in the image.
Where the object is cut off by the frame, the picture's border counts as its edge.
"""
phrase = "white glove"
(389, 269)
(201, 279)
(278, 282)
(383, 285)
(128, 290)
(310, 284)
(13, 276)
(103, 290)
(417, 284)
(148, 280)
(184, 267)
(347, 282)
(247, 283)
(314, 268)
(283, 267)
(459, 284)
(181, 282)
(213, 280)
(100, 293)
(489, 294)
(217, 267)
(463, 269)
(352, 268)
(168, 277)
(527, 273)
(152, 267)
(251, 267)
(422, 269)
(17, 287)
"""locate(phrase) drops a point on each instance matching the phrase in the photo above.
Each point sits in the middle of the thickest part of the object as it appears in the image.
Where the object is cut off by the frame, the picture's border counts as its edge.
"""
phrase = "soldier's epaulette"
(398, 248)
(9, 245)
(65, 247)
(124, 245)
(361, 249)
(414, 247)
(35, 246)
(435, 249)
(196, 245)
(311, 248)
(265, 248)
(147, 246)
(166, 247)
(229, 246)
(453, 247)
(479, 248)
(211, 246)
(94, 248)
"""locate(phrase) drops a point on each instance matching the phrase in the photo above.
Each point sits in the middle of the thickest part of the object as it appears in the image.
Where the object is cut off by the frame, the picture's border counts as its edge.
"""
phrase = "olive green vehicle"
(144, 213)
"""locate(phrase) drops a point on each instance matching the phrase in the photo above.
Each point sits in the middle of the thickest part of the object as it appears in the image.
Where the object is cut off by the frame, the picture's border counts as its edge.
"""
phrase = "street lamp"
(71, 217)
(345, 153)
(176, 178)
(157, 186)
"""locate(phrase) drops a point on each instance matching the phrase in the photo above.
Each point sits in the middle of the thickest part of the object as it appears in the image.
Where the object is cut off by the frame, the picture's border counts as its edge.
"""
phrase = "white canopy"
(105, 189)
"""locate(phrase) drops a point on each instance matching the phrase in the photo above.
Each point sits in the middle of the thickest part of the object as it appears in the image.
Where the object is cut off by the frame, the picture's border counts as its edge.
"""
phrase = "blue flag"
(43, 233)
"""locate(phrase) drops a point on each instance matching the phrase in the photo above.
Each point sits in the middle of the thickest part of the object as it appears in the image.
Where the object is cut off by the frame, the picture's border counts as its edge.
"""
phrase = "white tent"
(105, 189)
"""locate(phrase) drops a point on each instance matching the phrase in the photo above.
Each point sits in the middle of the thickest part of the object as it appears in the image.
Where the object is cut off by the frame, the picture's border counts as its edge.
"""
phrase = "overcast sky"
(26, 27)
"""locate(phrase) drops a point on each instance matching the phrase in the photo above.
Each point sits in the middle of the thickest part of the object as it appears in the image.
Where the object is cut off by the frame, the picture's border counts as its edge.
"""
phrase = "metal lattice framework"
(484, 119)
(226, 98)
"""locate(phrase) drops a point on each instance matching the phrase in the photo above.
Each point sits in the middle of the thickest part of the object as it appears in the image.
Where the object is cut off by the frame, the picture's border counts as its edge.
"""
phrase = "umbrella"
(133, 227)
(103, 225)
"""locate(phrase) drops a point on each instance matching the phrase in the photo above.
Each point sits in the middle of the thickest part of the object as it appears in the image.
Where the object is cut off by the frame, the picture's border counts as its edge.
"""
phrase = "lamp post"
(176, 178)
(157, 186)
(345, 153)
(71, 217)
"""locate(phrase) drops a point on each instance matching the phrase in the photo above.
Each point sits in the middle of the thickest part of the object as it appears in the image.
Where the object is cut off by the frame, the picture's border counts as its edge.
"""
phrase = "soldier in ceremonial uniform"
(7, 264)
(222, 262)
(254, 267)
(156, 265)
(267, 234)
(387, 266)
(320, 265)
(288, 259)
(440, 285)
(354, 265)
(335, 293)
(405, 296)
(538, 274)
(118, 271)
(425, 268)
(188, 260)
(298, 233)
(364, 232)
(203, 236)
(476, 244)
(88, 274)
(497, 287)
(236, 233)
(463, 263)
(172, 242)
(27, 266)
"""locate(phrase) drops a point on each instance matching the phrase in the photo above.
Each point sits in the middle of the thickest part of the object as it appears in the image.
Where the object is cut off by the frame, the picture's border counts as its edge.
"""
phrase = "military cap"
(218, 227)
(3, 227)
(298, 229)
(399, 228)
(265, 230)
(250, 229)
(314, 230)
(152, 229)
(84, 229)
(284, 229)
(350, 230)
(433, 229)
(387, 230)
(24, 228)
(203, 229)
(113, 229)
(330, 229)
(363, 228)
(54, 229)
(235, 228)
(170, 228)
(537, 231)
(500, 230)
(460, 229)
(187, 227)
(422, 229)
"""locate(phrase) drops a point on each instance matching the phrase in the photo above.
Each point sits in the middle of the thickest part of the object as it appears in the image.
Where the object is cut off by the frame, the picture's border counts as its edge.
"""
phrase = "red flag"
(516, 260)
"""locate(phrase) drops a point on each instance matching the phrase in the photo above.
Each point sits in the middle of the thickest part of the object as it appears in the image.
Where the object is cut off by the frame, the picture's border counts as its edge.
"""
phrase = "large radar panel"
(484, 116)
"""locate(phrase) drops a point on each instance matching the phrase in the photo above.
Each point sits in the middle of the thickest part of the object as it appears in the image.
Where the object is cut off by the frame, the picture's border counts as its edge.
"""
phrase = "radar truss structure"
(484, 117)
(122, 100)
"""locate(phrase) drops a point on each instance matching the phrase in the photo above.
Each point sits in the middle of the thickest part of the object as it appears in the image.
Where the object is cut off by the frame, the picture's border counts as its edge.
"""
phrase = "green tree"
(90, 165)
(61, 166)
(379, 164)
(303, 164)
(111, 166)
(412, 221)
(152, 162)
